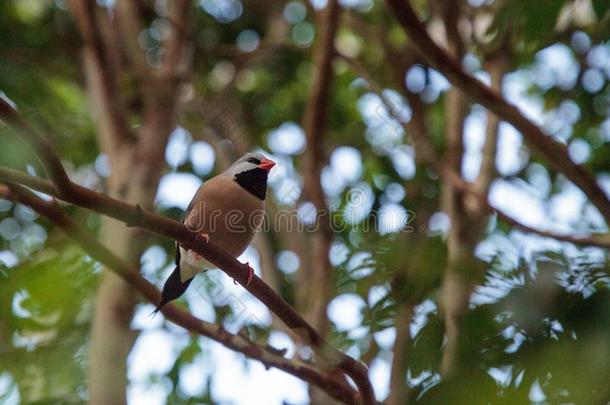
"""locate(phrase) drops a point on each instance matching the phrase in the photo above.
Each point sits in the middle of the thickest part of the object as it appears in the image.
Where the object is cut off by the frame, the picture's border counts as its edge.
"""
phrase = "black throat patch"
(254, 181)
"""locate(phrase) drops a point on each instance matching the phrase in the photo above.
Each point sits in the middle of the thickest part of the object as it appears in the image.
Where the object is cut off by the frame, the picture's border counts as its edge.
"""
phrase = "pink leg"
(250, 273)
(206, 239)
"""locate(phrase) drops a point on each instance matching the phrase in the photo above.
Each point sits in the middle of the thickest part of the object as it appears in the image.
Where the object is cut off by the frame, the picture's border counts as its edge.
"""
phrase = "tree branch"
(35, 183)
(269, 356)
(553, 151)
(599, 240)
(41, 146)
(157, 224)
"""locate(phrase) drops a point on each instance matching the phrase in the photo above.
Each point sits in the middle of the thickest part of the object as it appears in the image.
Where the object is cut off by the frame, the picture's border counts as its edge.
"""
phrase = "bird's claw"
(206, 239)
(250, 274)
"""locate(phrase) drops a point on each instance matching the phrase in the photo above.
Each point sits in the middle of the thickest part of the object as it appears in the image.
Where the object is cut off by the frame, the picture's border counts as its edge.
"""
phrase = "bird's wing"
(181, 253)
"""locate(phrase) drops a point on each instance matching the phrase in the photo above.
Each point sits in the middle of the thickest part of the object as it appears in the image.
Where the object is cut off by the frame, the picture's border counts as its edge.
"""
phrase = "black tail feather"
(172, 289)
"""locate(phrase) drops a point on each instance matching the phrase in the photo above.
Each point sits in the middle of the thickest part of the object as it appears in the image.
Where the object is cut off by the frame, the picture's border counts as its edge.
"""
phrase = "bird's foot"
(206, 239)
(250, 273)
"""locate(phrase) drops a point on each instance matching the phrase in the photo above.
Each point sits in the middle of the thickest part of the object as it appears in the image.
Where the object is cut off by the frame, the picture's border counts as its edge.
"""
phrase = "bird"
(227, 209)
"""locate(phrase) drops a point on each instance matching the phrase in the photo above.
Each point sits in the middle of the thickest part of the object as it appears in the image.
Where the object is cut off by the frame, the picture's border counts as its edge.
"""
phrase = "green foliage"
(46, 303)
(601, 8)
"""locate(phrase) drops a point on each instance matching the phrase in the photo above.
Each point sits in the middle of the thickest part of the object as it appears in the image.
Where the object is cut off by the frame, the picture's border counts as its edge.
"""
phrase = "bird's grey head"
(248, 161)
(250, 171)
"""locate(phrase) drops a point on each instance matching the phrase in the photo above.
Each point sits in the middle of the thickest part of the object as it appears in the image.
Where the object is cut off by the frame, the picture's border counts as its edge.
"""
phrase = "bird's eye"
(254, 160)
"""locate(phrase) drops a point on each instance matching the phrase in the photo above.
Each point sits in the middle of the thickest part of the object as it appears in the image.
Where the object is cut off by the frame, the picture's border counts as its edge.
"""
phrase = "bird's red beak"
(266, 164)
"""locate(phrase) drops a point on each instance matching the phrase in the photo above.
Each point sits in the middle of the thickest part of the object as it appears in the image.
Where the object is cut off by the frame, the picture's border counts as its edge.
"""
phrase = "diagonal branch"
(599, 240)
(40, 145)
(160, 225)
(553, 151)
(269, 356)
(35, 183)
